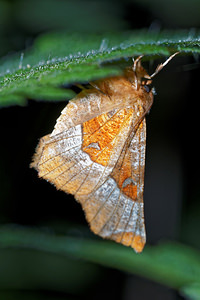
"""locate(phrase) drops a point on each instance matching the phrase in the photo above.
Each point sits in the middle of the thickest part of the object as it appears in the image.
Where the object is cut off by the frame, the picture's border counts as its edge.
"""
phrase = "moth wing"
(120, 216)
(79, 159)
(85, 160)
(129, 173)
(85, 106)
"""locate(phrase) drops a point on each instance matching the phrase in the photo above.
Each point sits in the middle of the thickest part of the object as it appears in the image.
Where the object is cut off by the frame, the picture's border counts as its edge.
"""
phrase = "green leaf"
(58, 59)
(191, 291)
(171, 264)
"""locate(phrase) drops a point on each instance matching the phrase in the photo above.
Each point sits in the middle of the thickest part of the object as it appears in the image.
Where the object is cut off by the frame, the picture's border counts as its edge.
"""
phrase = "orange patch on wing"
(130, 191)
(129, 239)
(123, 172)
(99, 134)
(138, 243)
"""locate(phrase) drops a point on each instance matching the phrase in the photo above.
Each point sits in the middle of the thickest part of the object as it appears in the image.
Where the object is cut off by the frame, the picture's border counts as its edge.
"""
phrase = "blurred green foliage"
(21, 20)
(171, 264)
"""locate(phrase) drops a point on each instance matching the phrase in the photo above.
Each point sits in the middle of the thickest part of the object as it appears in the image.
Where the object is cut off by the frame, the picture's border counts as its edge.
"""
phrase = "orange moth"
(97, 153)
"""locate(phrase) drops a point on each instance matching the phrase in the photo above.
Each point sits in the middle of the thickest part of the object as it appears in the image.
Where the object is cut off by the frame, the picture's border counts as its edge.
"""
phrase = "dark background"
(171, 196)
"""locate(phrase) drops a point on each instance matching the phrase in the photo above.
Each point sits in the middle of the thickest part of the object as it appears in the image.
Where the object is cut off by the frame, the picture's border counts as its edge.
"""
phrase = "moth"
(97, 153)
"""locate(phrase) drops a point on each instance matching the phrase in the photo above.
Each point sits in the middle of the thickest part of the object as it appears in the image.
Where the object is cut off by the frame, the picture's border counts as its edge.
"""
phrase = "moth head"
(138, 75)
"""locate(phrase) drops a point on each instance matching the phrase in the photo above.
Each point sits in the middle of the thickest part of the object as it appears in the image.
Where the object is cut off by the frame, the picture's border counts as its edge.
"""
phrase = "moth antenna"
(161, 66)
(135, 62)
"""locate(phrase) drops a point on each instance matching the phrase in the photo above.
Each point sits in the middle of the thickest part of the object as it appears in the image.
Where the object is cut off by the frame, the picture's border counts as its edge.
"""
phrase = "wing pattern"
(101, 162)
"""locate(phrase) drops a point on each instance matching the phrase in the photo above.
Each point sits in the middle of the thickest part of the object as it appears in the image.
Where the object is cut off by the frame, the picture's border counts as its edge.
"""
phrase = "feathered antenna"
(135, 62)
(161, 66)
